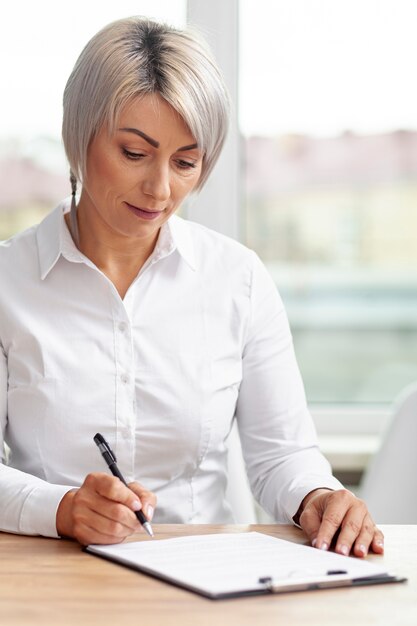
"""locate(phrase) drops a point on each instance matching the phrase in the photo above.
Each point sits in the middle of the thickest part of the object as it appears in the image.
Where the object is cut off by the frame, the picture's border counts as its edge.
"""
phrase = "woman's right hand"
(103, 509)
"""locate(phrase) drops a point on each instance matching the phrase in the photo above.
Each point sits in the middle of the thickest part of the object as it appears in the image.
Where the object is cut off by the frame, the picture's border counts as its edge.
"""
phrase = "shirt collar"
(178, 230)
(54, 240)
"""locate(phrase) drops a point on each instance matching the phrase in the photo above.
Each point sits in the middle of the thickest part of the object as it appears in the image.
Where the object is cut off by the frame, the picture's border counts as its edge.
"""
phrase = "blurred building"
(345, 200)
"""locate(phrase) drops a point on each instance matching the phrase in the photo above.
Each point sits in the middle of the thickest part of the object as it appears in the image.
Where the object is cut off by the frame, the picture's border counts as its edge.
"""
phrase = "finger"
(337, 505)
(357, 531)
(86, 535)
(310, 521)
(101, 525)
(97, 512)
(147, 498)
(112, 488)
(114, 511)
(377, 544)
(364, 538)
(108, 497)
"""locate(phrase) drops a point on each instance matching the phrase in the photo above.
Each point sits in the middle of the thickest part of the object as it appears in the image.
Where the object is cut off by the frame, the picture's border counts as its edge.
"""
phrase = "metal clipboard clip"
(306, 583)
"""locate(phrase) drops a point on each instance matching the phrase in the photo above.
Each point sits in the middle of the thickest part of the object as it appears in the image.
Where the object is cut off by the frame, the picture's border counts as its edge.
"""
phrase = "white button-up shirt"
(200, 338)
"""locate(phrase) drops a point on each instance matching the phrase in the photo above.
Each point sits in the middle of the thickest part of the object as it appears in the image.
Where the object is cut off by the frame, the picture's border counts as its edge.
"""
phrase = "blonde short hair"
(136, 56)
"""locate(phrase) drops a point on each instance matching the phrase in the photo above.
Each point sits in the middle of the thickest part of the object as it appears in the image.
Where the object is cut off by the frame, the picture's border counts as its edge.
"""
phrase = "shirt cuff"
(38, 515)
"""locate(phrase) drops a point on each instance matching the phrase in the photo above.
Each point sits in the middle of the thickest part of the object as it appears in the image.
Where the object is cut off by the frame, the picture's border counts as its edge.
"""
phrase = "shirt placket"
(125, 373)
(125, 385)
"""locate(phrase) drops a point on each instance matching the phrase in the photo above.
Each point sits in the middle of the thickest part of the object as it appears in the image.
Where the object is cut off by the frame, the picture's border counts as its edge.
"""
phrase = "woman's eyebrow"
(153, 142)
(144, 136)
(190, 147)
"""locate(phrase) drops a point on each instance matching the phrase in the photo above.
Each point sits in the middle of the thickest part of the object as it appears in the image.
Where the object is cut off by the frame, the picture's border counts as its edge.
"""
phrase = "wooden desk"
(52, 582)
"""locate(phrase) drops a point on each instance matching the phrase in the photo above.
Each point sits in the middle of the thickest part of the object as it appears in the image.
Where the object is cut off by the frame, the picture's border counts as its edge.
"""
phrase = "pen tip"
(148, 529)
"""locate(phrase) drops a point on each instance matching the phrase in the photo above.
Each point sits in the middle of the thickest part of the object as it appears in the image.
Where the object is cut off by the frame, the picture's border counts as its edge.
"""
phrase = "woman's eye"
(134, 156)
(185, 165)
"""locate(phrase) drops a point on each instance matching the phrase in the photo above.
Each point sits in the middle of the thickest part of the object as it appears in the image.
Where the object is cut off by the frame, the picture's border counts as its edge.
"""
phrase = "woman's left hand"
(340, 517)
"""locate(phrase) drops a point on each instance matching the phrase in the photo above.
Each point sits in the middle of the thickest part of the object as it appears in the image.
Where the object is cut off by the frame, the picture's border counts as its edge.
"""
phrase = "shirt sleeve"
(28, 505)
(277, 433)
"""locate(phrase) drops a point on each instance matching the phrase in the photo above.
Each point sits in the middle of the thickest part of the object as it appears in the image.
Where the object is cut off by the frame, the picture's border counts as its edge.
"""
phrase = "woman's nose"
(157, 182)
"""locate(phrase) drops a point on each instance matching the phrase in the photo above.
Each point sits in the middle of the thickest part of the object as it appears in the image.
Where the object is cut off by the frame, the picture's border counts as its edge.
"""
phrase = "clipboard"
(233, 565)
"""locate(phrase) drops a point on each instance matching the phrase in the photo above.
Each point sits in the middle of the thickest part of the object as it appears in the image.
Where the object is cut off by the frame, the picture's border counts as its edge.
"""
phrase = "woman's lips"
(146, 214)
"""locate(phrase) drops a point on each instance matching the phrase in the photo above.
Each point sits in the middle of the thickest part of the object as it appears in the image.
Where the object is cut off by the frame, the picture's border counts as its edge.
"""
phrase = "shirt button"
(124, 378)
(122, 327)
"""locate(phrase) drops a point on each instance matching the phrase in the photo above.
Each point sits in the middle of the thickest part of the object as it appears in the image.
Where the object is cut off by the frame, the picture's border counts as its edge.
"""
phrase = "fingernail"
(380, 544)
(149, 512)
(362, 549)
(344, 549)
(136, 505)
(324, 546)
(313, 542)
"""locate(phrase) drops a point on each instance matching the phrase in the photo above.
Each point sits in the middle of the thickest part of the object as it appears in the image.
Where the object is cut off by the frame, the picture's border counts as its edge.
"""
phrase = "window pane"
(328, 103)
(39, 44)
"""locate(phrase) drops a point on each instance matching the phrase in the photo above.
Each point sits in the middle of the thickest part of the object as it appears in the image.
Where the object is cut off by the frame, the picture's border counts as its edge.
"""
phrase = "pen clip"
(110, 452)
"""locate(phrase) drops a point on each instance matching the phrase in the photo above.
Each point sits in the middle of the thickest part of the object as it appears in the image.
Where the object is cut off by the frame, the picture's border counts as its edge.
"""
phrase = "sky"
(306, 66)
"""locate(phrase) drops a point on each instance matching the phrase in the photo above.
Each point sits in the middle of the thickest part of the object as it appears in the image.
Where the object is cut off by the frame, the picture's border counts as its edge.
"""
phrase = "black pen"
(110, 458)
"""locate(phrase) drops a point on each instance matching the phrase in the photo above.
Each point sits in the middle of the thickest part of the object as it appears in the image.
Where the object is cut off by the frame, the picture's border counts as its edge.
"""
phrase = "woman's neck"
(119, 257)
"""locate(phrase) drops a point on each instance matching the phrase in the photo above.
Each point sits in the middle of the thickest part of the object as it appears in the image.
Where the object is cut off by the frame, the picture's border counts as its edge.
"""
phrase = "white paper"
(233, 562)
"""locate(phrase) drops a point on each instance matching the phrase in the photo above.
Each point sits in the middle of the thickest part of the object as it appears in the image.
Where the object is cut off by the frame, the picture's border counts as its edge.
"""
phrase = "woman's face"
(137, 177)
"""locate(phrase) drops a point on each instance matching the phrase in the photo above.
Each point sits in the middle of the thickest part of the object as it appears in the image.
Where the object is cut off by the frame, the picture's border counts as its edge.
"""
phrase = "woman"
(118, 316)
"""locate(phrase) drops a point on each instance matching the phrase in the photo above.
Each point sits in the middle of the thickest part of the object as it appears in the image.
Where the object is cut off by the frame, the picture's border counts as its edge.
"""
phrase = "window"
(328, 107)
(327, 112)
